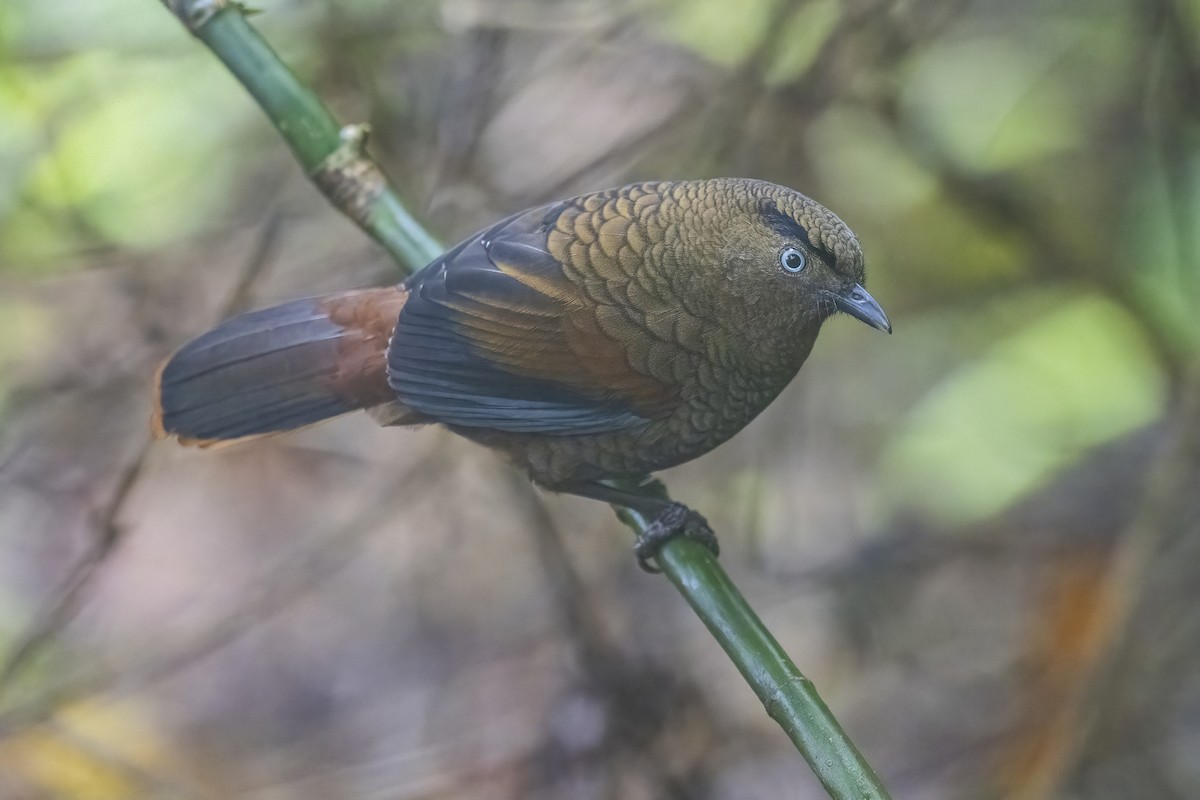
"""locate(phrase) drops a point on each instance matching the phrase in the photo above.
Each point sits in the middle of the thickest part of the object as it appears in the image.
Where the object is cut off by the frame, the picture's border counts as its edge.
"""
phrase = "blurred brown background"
(980, 536)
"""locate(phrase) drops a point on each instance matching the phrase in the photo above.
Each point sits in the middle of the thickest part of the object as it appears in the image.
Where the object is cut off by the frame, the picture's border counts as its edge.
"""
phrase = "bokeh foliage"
(1025, 178)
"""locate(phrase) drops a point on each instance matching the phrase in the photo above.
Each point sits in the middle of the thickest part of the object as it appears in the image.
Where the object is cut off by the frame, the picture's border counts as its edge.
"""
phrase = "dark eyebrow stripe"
(786, 226)
(782, 223)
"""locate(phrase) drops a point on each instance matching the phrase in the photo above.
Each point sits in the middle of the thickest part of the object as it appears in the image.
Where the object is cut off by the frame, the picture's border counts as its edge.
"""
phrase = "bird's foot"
(676, 519)
(667, 519)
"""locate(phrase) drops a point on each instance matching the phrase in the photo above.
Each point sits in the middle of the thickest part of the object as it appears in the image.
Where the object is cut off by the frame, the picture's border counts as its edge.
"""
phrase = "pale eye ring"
(792, 260)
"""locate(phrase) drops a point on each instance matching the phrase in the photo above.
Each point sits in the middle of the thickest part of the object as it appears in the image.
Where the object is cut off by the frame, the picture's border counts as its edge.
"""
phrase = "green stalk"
(334, 157)
(789, 697)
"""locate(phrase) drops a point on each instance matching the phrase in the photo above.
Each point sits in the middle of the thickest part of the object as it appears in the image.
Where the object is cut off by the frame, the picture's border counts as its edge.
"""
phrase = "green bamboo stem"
(789, 697)
(334, 157)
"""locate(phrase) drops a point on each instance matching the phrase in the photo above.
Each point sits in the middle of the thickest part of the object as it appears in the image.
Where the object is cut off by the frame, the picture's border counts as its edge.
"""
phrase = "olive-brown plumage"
(612, 334)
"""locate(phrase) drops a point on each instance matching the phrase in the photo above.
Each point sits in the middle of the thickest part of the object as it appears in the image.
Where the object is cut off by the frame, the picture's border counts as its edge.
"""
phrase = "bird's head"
(789, 257)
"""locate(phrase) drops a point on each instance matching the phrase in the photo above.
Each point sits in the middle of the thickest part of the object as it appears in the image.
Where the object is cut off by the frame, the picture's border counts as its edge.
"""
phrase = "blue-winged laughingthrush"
(599, 338)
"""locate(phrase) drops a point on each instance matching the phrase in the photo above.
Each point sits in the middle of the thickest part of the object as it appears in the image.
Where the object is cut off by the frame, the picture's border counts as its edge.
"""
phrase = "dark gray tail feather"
(279, 368)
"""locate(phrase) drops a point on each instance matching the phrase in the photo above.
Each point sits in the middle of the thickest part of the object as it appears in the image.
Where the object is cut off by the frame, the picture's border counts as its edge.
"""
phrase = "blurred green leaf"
(1041, 397)
(111, 149)
(724, 32)
(948, 252)
(803, 36)
(49, 30)
(1190, 9)
(1163, 253)
(20, 120)
(858, 158)
(137, 164)
(993, 103)
(864, 169)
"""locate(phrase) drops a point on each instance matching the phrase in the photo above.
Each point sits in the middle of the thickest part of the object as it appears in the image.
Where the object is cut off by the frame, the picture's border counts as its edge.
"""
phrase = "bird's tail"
(280, 368)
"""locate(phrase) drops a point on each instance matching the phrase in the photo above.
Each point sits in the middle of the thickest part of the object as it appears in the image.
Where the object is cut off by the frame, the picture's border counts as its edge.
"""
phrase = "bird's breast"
(719, 389)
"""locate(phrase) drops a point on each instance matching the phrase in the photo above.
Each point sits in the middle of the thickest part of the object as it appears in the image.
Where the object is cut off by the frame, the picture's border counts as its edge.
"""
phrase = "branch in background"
(283, 583)
(335, 160)
(64, 602)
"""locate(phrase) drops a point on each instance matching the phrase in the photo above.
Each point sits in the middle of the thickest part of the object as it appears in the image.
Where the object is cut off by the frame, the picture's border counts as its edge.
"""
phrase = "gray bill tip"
(858, 303)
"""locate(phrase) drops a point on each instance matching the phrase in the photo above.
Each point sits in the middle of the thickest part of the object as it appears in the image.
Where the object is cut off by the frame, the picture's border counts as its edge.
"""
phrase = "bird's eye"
(791, 259)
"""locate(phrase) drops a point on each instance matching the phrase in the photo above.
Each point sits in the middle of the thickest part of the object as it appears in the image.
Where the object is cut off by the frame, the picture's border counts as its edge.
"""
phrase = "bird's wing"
(495, 334)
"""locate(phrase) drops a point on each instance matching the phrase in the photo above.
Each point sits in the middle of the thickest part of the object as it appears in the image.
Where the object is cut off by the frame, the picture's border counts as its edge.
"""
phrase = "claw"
(675, 520)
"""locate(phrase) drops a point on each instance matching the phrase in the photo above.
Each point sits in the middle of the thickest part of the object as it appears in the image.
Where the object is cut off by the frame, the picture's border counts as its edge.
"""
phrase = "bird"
(591, 341)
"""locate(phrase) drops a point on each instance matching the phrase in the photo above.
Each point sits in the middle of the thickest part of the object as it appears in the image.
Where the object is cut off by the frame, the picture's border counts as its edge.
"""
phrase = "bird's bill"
(860, 305)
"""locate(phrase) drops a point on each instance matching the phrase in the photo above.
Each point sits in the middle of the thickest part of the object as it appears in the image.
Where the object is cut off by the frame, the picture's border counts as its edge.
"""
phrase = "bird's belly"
(706, 420)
